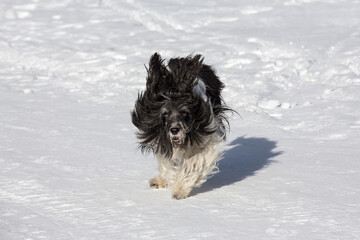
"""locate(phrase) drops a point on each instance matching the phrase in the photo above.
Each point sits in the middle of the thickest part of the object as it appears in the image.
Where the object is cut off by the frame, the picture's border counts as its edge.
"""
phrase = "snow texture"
(70, 72)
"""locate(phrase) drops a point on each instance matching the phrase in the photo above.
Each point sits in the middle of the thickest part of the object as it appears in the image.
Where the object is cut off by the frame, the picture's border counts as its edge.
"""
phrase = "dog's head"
(177, 123)
(169, 114)
(176, 115)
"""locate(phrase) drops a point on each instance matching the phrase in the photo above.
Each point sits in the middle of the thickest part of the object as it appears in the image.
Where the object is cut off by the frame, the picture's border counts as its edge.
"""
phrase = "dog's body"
(180, 117)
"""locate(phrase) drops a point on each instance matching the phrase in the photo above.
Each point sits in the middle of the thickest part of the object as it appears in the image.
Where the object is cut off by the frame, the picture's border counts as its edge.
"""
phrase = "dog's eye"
(184, 114)
(166, 115)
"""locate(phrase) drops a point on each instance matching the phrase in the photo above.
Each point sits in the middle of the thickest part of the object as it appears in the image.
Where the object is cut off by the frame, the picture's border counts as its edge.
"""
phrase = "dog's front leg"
(160, 180)
(186, 179)
(194, 171)
(180, 191)
(184, 183)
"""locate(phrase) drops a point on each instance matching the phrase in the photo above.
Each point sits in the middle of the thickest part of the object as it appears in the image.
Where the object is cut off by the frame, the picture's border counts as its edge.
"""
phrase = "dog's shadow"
(244, 158)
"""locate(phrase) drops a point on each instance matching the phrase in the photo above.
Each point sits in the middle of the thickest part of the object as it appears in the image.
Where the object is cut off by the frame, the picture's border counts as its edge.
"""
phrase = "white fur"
(188, 168)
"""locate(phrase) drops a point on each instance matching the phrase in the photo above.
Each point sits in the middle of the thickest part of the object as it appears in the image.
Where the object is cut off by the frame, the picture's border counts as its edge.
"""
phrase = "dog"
(181, 118)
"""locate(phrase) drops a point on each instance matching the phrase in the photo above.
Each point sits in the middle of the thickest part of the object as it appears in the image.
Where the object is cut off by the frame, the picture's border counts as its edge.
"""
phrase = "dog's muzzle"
(176, 134)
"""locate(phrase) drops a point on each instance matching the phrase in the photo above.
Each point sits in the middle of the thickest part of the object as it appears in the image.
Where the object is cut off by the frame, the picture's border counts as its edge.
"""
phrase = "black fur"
(171, 89)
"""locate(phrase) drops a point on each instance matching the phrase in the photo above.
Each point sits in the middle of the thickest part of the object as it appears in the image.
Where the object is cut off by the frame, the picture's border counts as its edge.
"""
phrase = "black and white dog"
(181, 118)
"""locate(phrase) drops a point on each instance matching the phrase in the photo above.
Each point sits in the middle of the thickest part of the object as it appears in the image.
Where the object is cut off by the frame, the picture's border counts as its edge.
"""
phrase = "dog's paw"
(180, 194)
(158, 182)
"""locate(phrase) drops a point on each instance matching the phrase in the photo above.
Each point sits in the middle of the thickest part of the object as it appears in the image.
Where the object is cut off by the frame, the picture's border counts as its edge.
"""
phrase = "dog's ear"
(156, 72)
(195, 67)
(185, 71)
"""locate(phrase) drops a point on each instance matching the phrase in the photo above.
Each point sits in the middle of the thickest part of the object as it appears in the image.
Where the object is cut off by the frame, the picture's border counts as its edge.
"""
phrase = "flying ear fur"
(156, 72)
(185, 71)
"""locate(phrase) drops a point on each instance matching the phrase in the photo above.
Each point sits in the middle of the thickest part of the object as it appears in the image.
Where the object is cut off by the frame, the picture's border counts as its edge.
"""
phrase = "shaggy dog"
(180, 118)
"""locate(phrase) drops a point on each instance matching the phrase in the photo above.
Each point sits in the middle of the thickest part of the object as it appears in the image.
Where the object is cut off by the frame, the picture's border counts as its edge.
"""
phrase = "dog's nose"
(174, 130)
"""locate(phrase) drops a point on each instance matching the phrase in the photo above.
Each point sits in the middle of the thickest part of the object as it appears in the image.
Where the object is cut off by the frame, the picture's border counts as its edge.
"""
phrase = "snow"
(70, 72)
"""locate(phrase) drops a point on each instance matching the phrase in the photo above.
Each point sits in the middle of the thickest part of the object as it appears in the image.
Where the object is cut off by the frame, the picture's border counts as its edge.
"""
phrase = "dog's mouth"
(176, 141)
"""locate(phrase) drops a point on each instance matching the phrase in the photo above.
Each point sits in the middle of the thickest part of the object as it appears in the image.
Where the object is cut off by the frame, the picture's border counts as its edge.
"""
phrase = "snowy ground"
(70, 72)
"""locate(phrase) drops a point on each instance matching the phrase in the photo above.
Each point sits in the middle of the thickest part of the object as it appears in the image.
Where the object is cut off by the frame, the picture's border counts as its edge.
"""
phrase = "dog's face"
(176, 119)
